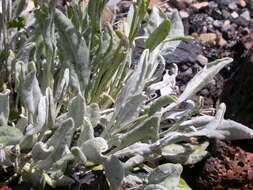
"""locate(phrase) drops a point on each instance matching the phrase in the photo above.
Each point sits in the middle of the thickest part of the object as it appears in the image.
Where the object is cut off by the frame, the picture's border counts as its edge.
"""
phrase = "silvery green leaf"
(77, 110)
(185, 153)
(182, 185)
(10, 135)
(61, 138)
(28, 141)
(134, 161)
(24, 52)
(158, 35)
(166, 175)
(77, 152)
(114, 172)
(203, 77)
(135, 84)
(40, 151)
(31, 92)
(177, 29)
(22, 123)
(87, 131)
(130, 93)
(93, 113)
(75, 48)
(136, 148)
(93, 149)
(147, 130)
(62, 85)
(39, 118)
(155, 187)
(132, 180)
(4, 108)
(130, 110)
(51, 109)
(156, 17)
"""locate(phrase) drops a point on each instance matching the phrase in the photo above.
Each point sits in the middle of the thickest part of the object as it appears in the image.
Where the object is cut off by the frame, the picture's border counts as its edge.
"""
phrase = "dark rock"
(186, 52)
(217, 14)
(238, 94)
(241, 21)
(250, 5)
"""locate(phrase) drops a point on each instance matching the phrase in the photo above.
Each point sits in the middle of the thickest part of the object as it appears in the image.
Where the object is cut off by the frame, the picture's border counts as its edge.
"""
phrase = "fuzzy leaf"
(4, 108)
(203, 77)
(93, 149)
(77, 110)
(40, 151)
(147, 130)
(31, 92)
(75, 48)
(10, 135)
(40, 118)
(114, 171)
(61, 138)
(185, 153)
(158, 35)
(166, 175)
(177, 29)
(93, 112)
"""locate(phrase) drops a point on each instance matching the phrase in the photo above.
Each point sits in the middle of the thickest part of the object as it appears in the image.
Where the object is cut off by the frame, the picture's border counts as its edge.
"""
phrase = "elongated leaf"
(39, 118)
(75, 48)
(10, 135)
(62, 85)
(147, 130)
(4, 108)
(87, 131)
(158, 35)
(31, 92)
(77, 110)
(177, 29)
(61, 138)
(203, 77)
(156, 17)
(114, 171)
(166, 175)
(93, 113)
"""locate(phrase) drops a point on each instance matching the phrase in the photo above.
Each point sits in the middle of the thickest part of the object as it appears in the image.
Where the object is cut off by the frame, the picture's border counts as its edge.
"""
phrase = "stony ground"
(221, 28)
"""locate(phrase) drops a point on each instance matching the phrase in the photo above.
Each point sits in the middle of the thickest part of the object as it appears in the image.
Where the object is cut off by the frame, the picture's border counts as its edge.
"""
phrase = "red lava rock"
(230, 169)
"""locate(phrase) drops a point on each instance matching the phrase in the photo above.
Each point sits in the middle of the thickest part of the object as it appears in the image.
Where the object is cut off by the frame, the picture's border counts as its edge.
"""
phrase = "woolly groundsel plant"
(68, 95)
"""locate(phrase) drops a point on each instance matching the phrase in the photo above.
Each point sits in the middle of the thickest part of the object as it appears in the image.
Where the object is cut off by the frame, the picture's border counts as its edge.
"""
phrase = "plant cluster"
(69, 94)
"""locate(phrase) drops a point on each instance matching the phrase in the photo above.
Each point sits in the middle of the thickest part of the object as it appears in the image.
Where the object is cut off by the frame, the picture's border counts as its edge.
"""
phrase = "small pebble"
(183, 14)
(242, 3)
(217, 23)
(232, 5)
(200, 5)
(246, 15)
(234, 14)
(208, 38)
